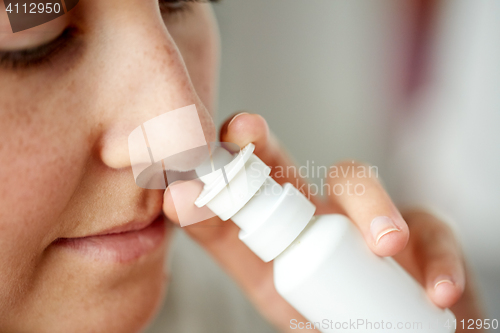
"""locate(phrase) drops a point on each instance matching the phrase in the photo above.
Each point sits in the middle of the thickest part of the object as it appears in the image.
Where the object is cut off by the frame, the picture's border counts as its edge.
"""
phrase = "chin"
(131, 304)
(132, 313)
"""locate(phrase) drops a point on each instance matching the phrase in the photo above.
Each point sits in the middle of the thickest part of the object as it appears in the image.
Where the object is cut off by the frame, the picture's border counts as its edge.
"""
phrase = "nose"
(144, 77)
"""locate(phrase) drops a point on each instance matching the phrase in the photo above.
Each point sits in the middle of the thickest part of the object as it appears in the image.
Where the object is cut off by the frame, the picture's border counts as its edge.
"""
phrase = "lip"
(120, 244)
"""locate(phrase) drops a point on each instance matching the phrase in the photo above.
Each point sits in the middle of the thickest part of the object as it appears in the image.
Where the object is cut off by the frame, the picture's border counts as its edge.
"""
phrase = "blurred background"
(411, 86)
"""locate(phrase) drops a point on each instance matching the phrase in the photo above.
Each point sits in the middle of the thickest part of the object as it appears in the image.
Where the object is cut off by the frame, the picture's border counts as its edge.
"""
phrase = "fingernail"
(443, 279)
(381, 226)
(239, 114)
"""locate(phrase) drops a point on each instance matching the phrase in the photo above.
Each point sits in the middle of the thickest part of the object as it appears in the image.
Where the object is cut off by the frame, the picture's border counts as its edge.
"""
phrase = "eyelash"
(42, 54)
(168, 7)
(38, 55)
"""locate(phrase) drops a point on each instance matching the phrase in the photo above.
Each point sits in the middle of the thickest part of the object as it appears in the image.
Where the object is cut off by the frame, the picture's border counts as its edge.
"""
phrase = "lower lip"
(122, 247)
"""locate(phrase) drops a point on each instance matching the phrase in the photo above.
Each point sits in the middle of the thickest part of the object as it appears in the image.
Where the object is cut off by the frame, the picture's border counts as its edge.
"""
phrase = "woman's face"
(67, 106)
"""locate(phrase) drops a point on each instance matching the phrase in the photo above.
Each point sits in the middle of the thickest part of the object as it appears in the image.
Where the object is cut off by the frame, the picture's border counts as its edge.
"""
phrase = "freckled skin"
(64, 164)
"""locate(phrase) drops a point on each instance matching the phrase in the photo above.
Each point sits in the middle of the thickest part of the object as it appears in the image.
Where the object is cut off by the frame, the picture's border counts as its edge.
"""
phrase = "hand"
(431, 254)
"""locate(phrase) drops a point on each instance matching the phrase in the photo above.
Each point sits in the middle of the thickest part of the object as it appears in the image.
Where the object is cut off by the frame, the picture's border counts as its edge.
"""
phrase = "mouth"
(120, 244)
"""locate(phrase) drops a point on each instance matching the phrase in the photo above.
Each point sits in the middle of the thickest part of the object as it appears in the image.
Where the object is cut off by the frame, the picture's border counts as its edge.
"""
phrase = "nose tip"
(172, 141)
(168, 135)
(158, 138)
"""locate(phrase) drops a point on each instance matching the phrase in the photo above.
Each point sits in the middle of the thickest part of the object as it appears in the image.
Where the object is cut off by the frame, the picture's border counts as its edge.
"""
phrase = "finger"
(179, 208)
(355, 189)
(244, 128)
(439, 257)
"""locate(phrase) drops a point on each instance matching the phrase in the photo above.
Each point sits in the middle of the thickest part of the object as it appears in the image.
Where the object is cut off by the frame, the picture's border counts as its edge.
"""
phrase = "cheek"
(41, 162)
(198, 42)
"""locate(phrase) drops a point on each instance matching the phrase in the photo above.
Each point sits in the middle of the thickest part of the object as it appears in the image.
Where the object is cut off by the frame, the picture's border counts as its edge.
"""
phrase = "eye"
(25, 58)
(173, 6)
(177, 6)
(35, 45)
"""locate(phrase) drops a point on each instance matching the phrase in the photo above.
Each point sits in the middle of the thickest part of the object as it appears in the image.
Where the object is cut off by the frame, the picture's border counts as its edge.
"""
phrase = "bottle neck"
(269, 215)
(273, 218)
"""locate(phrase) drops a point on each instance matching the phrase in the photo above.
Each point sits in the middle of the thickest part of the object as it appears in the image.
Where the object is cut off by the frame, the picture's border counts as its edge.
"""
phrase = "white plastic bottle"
(322, 265)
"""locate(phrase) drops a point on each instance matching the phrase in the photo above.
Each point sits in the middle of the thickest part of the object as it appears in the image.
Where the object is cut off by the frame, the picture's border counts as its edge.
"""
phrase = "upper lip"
(127, 227)
(132, 225)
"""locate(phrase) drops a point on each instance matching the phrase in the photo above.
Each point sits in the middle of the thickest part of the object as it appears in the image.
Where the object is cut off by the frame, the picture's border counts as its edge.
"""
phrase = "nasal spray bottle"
(322, 265)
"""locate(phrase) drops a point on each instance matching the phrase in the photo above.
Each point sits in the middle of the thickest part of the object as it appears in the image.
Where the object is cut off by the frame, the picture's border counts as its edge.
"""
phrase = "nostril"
(172, 141)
